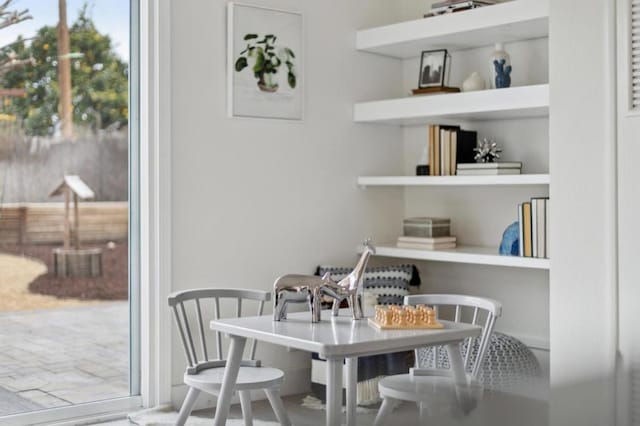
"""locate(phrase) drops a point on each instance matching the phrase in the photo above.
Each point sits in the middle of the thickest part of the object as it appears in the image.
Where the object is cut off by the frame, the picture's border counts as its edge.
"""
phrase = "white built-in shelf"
(496, 104)
(505, 180)
(463, 254)
(507, 22)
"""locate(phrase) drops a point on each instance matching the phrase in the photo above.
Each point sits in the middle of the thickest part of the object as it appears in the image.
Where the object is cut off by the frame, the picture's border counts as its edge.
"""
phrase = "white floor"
(499, 410)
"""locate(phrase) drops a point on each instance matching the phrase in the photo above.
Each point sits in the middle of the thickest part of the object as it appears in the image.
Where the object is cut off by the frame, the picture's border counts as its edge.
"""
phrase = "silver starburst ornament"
(487, 151)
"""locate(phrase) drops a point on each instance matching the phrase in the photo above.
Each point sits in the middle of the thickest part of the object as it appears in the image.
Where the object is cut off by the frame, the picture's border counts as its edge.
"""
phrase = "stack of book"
(448, 147)
(425, 243)
(533, 225)
(472, 169)
(449, 6)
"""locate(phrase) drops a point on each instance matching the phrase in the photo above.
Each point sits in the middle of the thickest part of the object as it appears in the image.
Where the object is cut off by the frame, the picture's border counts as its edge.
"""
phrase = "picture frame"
(265, 68)
(433, 68)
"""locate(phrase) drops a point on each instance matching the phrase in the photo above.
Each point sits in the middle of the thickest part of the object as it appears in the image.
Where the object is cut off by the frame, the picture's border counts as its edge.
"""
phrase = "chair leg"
(247, 411)
(388, 404)
(187, 406)
(278, 407)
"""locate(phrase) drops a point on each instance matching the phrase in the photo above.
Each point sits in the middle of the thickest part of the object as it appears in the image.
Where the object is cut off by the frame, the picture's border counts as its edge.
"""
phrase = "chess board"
(405, 318)
(375, 324)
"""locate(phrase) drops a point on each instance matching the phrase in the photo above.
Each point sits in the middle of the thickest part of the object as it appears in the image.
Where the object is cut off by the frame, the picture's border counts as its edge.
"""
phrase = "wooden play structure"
(76, 261)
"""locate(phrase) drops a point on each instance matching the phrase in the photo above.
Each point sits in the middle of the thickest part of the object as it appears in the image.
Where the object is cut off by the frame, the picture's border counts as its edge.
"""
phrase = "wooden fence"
(43, 223)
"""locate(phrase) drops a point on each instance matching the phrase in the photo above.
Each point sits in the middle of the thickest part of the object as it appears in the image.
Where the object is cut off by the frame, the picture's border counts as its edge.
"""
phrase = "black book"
(466, 141)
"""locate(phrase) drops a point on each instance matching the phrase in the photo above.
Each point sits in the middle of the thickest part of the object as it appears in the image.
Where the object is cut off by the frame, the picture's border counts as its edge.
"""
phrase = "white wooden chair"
(205, 374)
(433, 387)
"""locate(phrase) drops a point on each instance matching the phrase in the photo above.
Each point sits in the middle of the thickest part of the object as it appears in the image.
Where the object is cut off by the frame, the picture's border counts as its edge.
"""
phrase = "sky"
(110, 17)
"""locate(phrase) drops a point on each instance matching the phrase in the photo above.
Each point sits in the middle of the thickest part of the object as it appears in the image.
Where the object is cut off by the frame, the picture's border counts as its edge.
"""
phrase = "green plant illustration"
(268, 59)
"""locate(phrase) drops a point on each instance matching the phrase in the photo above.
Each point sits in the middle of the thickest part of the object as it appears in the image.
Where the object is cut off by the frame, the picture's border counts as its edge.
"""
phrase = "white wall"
(255, 199)
(582, 233)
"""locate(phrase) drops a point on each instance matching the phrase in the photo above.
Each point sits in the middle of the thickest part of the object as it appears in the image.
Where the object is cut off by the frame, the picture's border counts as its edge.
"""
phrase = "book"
(534, 228)
(424, 240)
(546, 229)
(526, 225)
(538, 219)
(436, 133)
(504, 165)
(466, 141)
(446, 158)
(520, 230)
(432, 150)
(454, 152)
(484, 172)
(418, 246)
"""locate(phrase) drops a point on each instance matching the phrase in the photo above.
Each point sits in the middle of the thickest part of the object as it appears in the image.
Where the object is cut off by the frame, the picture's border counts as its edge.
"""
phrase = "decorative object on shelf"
(450, 6)
(426, 227)
(473, 82)
(419, 243)
(435, 90)
(433, 69)
(503, 74)
(310, 288)
(405, 318)
(265, 72)
(499, 58)
(510, 244)
(476, 169)
(487, 151)
(422, 170)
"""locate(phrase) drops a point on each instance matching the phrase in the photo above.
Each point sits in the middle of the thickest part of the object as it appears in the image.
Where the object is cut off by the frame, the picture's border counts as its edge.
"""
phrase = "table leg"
(352, 390)
(232, 367)
(334, 391)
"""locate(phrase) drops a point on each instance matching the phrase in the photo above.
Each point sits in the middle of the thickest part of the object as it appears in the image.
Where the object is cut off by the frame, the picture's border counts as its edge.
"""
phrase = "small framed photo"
(433, 68)
(265, 66)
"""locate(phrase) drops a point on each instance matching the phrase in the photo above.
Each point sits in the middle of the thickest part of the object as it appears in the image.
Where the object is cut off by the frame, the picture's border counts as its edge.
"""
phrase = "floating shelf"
(464, 254)
(496, 104)
(484, 26)
(541, 179)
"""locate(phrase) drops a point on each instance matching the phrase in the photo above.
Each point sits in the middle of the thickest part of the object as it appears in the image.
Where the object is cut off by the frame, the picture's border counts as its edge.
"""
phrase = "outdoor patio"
(56, 357)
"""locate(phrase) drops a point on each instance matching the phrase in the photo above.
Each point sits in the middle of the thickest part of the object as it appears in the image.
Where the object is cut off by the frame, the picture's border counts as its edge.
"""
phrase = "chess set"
(404, 318)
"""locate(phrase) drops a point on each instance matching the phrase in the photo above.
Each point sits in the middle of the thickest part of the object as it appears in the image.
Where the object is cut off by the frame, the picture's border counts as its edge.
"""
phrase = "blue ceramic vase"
(503, 74)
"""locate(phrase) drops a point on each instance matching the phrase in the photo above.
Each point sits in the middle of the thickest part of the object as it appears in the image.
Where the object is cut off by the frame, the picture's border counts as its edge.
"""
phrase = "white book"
(487, 172)
(520, 231)
(425, 240)
(546, 229)
(417, 246)
(505, 165)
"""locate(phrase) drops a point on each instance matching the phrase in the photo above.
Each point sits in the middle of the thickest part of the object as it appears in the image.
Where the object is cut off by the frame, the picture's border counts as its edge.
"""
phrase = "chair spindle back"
(192, 301)
(480, 307)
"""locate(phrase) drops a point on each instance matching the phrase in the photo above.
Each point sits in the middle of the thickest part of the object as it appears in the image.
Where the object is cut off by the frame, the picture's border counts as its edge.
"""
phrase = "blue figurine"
(503, 74)
(510, 245)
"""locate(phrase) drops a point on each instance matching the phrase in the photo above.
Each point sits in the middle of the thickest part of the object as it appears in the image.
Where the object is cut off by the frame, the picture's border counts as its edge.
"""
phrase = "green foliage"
(99, 80)
(266, 60)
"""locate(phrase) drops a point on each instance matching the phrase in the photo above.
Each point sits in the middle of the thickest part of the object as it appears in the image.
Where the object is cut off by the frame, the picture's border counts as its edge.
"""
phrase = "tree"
(99, 95)
(64, 72)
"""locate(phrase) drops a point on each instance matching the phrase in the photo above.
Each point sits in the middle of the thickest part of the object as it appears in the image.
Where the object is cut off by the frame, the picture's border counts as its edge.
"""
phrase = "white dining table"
(340, 340)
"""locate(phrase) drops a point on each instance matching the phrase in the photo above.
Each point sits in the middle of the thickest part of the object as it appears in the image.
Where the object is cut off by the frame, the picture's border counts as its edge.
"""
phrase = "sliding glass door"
(69, 211)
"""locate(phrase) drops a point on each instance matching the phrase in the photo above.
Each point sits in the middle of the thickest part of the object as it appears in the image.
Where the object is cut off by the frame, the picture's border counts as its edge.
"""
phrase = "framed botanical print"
(265, 67)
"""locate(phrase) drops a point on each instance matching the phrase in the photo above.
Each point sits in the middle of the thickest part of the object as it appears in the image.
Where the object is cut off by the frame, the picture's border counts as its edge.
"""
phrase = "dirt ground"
(27, 282)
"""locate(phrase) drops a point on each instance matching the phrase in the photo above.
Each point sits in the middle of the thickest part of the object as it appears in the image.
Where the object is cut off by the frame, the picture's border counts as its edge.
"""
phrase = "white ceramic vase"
(473, 82)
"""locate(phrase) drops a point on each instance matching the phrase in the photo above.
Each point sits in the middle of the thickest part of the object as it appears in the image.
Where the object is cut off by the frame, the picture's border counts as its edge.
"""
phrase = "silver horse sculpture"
(311, 288)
